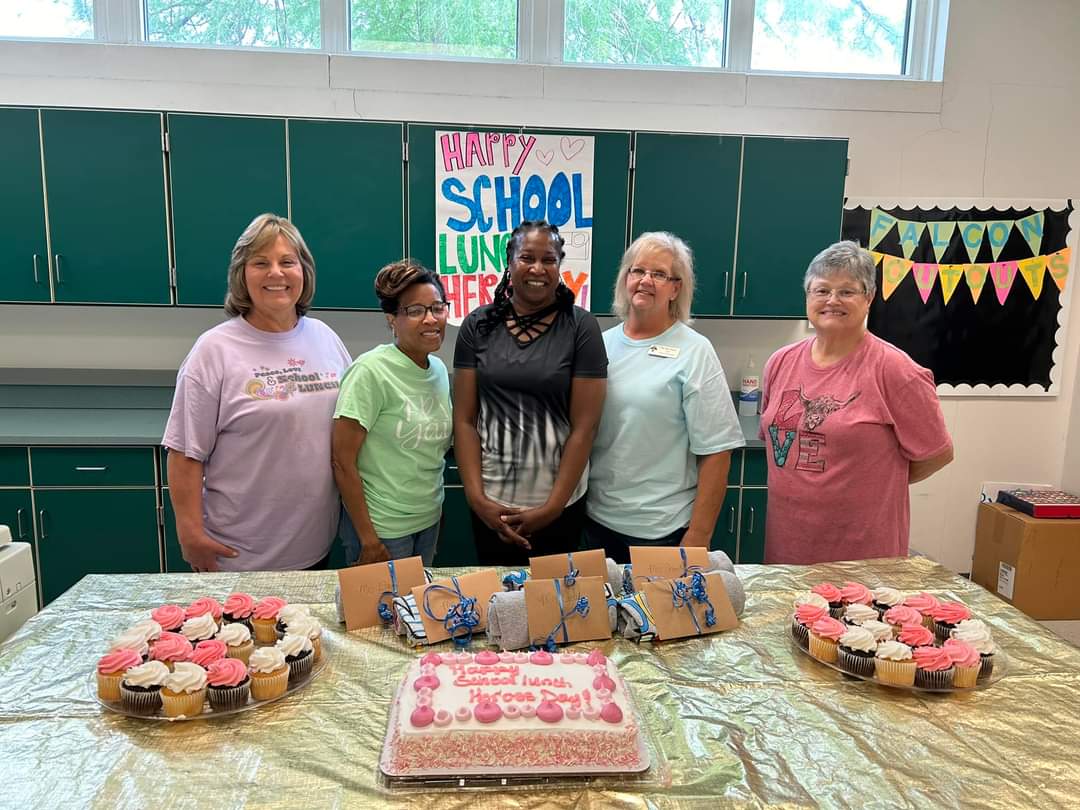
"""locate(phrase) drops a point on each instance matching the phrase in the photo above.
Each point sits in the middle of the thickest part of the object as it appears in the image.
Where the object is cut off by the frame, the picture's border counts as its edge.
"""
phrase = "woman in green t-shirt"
(392, 425)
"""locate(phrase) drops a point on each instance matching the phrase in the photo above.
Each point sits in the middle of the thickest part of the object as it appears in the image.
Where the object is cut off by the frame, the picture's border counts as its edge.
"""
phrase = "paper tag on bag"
(433, 607)
(542, 609)
(677, 622)
(557, 566)
(666, 562)
(363, 586)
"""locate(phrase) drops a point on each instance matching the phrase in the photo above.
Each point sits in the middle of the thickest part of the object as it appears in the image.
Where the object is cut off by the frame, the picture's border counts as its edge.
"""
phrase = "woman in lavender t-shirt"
(249, 432)
(849, 421)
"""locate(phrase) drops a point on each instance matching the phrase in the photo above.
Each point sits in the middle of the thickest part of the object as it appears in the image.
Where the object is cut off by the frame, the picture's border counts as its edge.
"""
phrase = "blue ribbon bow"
(580, 608)
(461, 617)
(515, 580)
(571, 572)
(385, 611)
(684, 596)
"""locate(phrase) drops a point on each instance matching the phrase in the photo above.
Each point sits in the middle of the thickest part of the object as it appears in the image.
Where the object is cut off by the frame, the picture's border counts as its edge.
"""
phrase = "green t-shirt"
(406, 412)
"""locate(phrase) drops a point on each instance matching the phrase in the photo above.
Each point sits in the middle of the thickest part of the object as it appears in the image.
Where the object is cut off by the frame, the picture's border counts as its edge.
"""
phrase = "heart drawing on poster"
(571, 146)
(545, 157)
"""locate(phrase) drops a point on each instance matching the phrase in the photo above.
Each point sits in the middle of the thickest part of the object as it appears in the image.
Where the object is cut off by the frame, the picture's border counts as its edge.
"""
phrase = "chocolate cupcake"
(140, 689)
(299, 655)
(856, 652)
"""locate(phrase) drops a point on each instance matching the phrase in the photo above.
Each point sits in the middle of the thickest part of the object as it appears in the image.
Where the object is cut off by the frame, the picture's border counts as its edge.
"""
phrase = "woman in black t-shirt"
(529, 383)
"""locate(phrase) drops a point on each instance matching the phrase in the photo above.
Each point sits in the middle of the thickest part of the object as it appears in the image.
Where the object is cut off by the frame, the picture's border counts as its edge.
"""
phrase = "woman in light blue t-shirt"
(659, 465)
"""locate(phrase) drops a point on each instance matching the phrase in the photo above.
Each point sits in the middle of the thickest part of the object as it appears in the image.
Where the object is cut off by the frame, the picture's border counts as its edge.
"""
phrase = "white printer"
(18, 589)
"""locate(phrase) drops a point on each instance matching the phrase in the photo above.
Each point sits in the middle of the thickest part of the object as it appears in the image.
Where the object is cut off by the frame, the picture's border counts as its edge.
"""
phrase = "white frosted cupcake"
(287, 615)
(881, 630)
(885, 598)
(184, 690)
(299, 654)
(199, 628)
(893, 663)
(309, 626)
(856, 653)
(811, 598)
(269, 673)
(148, 629)
(131, 640)
(238, 643)
(140, 689)
(856, 613)
(977, 634)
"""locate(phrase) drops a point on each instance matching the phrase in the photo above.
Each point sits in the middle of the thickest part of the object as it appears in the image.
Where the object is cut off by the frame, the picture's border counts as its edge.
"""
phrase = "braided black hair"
(500, 299)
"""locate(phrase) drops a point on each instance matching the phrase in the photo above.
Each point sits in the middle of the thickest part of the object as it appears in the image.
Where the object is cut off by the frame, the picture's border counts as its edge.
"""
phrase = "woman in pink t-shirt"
(849, 421)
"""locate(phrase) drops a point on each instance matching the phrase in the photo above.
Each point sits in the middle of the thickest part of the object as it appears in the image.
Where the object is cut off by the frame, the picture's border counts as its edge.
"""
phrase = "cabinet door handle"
(750, 528)
(743, 282)
(725, 283)
(41, 523)
(37, 278)
(91, 469)
(731, 521)
(59, 277)
(18, 521)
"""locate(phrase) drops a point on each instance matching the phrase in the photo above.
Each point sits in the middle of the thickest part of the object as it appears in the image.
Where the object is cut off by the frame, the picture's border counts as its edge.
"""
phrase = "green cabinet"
(94, 531)
(740, 526)
(726, 534)
(174, 556)
(347, 193)
(689, 185)
(14, 467)
(790, 209)
(93, 466)
(17, 513)
(105, 185)
(24, 253)
(752, 525)
(224, 172)
(456, 546)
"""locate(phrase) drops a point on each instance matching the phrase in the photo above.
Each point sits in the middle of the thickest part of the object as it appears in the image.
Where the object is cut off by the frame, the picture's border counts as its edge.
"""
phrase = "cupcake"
(299, 654)
(131, 641)
(264, 618)
(924, 603)
(824, 637)
(854, 593)
(148, 629)
(204, 606)
(946, 616)
(902, 615)
(810, 598)
(915, 635)
(858, 613)
(111, 669)
(893, 664)
(831, 594)
(933, 668)
(287, 615)
(965, 660)
(184, 690)
(269, 673)
(804, 616)
(309, 626)
(169, 617)
(856, 651)
(977, 634)
(209, 651)
(237, 609)
(140, 688)
(885, 598)
(170, 649)
(238, 643)
(199, 628)
(228, 683)
(881, 630)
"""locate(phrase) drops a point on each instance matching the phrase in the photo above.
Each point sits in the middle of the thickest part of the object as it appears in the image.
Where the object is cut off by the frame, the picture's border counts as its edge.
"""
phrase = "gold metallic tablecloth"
(740, 718)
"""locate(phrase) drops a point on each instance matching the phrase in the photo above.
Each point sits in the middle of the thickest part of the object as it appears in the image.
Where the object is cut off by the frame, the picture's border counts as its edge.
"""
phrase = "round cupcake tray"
(209, 711)
(1001, 666)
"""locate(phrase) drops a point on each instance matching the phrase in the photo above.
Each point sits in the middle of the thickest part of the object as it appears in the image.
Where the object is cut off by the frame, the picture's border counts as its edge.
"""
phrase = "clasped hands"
(514, 525)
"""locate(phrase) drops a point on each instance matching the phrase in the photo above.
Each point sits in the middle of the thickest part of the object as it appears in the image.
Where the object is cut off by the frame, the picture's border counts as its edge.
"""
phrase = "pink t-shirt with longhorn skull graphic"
(839, 440)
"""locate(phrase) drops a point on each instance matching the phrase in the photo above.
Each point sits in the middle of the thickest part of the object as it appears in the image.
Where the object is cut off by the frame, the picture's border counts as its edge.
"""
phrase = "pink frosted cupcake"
(825, 638)
(209, 651)
(933, 668)
(902, 615)
(855, 593)
(977, 634)
(170, 649)
(831, 594)
(924, 603)
(946, 616)
(804, 616)
(966, 662)
(264, 618)
(915, 635)
(169, 617)
(204, 606)
(111, 669)
(229, 683)
(238, 609)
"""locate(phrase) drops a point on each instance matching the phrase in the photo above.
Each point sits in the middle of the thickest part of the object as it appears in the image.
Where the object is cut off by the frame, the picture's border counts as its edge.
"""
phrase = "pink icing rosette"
(226, 672)
(962, 653)
(541, 658)
(202, 606)
(611, 713)
(854, 593)
(170, 617)
(915, 635)
(268, 607)
(932, 659)
(828, 591)
(829, 628)
(549, 711)
(208, 651)
(902, 615)
(118, 661)
(806, 615)
(922, 602)
(950, 613)
(171, 647)
(239, 605)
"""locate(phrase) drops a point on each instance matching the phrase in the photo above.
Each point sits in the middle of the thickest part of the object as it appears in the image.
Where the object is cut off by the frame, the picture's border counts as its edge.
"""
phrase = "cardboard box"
(1031, 563)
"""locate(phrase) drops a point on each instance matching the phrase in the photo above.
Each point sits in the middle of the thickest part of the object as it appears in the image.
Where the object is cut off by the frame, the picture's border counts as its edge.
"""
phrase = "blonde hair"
(682, 265)
(264, 230)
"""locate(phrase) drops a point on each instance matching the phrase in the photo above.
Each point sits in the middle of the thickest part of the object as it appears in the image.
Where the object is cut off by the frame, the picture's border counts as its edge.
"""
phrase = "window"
(47, 18)
(475, 28)
(830, 36)
(687, 33)
(265, 23)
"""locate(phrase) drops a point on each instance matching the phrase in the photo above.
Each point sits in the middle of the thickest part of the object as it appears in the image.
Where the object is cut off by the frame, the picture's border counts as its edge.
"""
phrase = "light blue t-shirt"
(659, 414)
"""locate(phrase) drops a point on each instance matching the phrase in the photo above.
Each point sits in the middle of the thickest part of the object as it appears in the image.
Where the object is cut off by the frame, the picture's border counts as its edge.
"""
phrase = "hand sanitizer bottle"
(749, 390)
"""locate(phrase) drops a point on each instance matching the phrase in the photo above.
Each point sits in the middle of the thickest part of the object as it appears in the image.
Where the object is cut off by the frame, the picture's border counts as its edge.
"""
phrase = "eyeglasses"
(824, 293)
(416, 312)
(658, 276)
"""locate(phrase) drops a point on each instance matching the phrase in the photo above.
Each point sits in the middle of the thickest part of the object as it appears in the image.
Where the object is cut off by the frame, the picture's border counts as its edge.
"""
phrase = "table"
(740, 719)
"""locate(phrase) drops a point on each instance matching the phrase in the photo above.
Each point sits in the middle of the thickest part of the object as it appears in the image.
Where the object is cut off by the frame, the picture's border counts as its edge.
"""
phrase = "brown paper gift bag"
(554, 610)
(684, 606)
(364, 587)
(457, 604)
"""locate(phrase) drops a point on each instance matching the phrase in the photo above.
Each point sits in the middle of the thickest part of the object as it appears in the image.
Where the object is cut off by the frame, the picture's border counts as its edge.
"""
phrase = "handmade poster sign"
(689, 606)
(486, 184)
(975, 290)
(456, 607)
(367, 588)
(559, 613)
(568, 566)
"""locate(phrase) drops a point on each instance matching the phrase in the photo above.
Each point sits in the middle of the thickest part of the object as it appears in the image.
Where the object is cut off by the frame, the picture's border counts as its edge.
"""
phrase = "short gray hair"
(682, 264)
(843, 257)
(264, 230)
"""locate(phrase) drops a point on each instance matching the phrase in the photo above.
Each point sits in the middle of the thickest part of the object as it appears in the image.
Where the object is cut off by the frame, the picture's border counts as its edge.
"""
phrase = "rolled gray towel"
(614, 576)
(338, 605)
(508, 621)
(734, 587)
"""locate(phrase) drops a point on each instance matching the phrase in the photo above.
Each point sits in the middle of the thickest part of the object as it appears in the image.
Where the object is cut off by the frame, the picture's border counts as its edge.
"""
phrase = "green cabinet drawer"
(17, 513)
(92, 466)
(14, 470)
(456, 546)
(755, 468)
(752, 526)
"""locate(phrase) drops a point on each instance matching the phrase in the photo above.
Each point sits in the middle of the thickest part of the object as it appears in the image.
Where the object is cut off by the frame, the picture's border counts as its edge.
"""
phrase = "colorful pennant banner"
(972, 234)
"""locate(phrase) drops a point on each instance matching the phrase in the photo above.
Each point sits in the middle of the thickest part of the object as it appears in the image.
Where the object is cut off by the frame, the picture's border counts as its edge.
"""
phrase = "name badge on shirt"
(670, 352)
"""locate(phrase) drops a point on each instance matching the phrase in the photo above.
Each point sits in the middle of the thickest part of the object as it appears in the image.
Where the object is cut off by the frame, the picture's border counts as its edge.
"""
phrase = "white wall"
(1002, 124)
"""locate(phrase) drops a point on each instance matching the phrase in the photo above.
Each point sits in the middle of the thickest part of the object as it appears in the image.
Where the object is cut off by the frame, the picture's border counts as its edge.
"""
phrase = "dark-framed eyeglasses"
(417, 312)
(658, 276)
